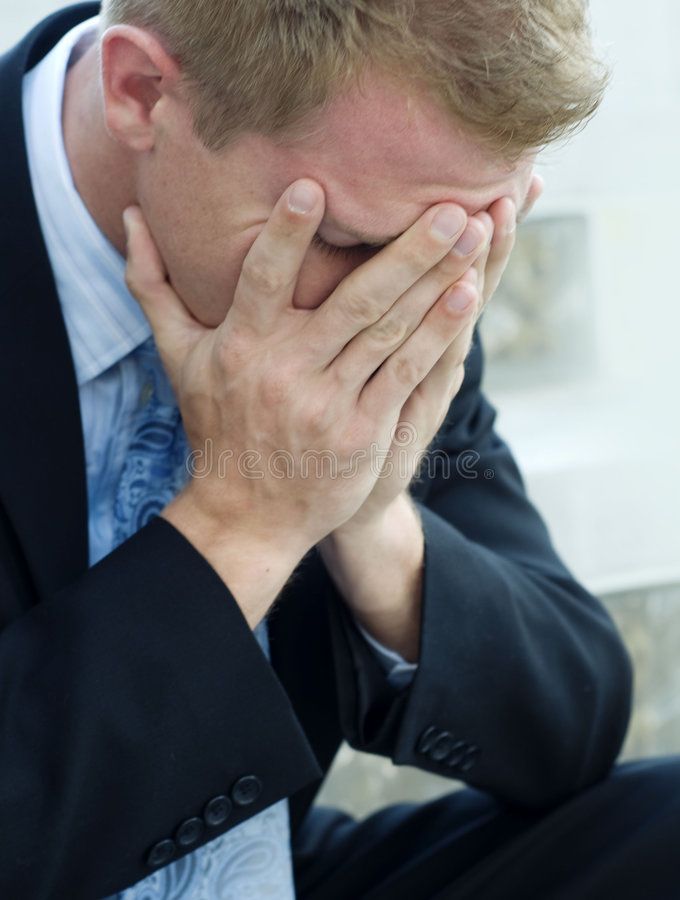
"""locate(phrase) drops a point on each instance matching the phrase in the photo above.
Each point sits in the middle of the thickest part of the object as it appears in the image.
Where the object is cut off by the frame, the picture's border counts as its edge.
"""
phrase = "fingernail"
(468, 242)
(448, 222)
(459, 299)
(511, 224)
(302, 198)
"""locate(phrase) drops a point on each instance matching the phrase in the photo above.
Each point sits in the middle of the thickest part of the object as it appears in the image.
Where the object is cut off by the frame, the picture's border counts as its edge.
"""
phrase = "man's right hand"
(297, 403)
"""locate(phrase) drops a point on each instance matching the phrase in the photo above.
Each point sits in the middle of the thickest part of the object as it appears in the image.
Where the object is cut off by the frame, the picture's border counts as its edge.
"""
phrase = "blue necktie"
(155, 464)
(253, 859)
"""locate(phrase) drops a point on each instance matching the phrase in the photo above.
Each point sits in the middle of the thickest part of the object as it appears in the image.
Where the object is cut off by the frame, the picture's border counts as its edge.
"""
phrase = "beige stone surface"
(650, 623)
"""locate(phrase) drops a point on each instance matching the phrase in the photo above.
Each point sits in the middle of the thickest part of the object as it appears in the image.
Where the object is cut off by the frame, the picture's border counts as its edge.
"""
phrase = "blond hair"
(516, 74)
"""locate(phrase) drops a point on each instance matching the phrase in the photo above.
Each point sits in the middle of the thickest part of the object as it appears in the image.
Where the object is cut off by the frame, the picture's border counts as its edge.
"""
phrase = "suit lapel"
(42, 466)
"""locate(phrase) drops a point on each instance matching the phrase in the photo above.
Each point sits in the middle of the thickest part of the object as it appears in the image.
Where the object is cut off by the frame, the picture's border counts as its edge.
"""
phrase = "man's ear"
(137, 73)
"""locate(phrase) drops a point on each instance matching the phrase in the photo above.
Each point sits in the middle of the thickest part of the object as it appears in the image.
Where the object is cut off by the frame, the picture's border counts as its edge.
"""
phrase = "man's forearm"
(377, 568)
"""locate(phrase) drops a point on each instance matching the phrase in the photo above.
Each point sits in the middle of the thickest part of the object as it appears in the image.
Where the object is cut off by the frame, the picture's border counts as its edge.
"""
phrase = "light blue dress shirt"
(106, 327)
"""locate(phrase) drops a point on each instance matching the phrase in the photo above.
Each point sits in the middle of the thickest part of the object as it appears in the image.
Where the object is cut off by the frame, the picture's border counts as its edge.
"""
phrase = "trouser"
(618, 840)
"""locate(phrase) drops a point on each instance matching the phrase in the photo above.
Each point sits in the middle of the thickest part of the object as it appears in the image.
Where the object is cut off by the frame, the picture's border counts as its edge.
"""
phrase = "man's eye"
(342, 252)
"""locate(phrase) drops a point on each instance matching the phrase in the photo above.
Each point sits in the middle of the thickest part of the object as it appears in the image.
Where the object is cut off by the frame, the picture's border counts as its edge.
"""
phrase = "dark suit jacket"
(133, 693)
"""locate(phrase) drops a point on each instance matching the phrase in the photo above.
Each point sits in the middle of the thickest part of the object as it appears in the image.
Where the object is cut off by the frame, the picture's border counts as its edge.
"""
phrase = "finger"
(270, 270)
(504, 218)
(360, 358)
(443, 380)
(388, 390)
(428, 405)
(364, 296)
(505, 235)
(480, 262)
(175, 329)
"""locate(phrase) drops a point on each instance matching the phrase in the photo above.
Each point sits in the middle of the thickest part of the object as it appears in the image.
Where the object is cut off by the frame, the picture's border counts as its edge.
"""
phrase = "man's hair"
(516, 74)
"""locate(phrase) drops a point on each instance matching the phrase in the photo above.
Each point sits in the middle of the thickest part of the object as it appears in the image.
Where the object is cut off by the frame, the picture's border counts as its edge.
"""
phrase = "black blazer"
(134, 693)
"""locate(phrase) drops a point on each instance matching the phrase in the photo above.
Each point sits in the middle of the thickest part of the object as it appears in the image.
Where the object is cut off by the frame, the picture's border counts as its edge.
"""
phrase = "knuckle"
(420, 256)
(452, 267)
(357, 308)
(407, 371)
(388, 330)
(264, 278)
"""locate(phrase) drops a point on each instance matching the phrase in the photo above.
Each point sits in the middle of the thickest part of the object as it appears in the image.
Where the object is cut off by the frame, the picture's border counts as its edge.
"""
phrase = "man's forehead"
(383, 154)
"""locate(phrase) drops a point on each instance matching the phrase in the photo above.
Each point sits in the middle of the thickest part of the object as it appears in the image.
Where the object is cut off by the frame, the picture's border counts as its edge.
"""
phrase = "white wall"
(17, 16)
(603, 461)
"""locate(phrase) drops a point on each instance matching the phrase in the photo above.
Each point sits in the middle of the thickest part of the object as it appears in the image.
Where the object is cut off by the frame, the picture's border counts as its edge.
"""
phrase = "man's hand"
(275, 384)
(425, 409)
(375, 558)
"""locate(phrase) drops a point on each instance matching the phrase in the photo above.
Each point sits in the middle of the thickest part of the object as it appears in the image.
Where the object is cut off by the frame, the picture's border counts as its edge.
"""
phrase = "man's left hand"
(385, 536)
(424, 412)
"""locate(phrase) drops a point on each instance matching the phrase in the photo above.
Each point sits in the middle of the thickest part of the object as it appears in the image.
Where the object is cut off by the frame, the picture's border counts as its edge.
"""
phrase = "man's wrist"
(377, 568)
(255, 567)
(393, 527)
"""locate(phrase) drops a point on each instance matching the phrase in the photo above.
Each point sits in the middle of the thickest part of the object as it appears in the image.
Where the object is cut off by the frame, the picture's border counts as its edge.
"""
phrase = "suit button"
(457, 754)
(427, 739)
(217, 811)
(190, 832)
(161, 854)
(441, 747)
(471, 757)
(246, 790)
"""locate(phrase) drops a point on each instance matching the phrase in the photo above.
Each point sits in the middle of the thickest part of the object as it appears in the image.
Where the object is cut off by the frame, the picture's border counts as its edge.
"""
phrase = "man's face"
(381, 159)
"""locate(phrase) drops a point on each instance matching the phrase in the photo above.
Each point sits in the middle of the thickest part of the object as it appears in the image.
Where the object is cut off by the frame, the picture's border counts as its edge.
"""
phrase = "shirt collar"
(103, 320)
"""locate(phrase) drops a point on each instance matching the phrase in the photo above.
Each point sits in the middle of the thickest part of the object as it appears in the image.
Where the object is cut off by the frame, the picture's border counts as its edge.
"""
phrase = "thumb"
(175, 330)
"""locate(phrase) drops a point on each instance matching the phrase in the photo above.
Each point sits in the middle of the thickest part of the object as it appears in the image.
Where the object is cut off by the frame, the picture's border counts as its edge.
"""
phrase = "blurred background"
(583, 365)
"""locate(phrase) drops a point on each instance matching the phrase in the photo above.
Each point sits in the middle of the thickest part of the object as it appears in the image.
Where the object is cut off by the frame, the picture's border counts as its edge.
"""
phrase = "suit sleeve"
(132, 701)
(523, 685)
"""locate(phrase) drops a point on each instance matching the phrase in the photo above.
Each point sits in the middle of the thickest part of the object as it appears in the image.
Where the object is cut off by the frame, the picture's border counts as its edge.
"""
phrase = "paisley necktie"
(253, 859)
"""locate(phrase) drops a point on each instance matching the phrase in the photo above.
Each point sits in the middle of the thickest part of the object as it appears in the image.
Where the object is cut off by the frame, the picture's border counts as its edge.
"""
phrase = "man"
(319, 198)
